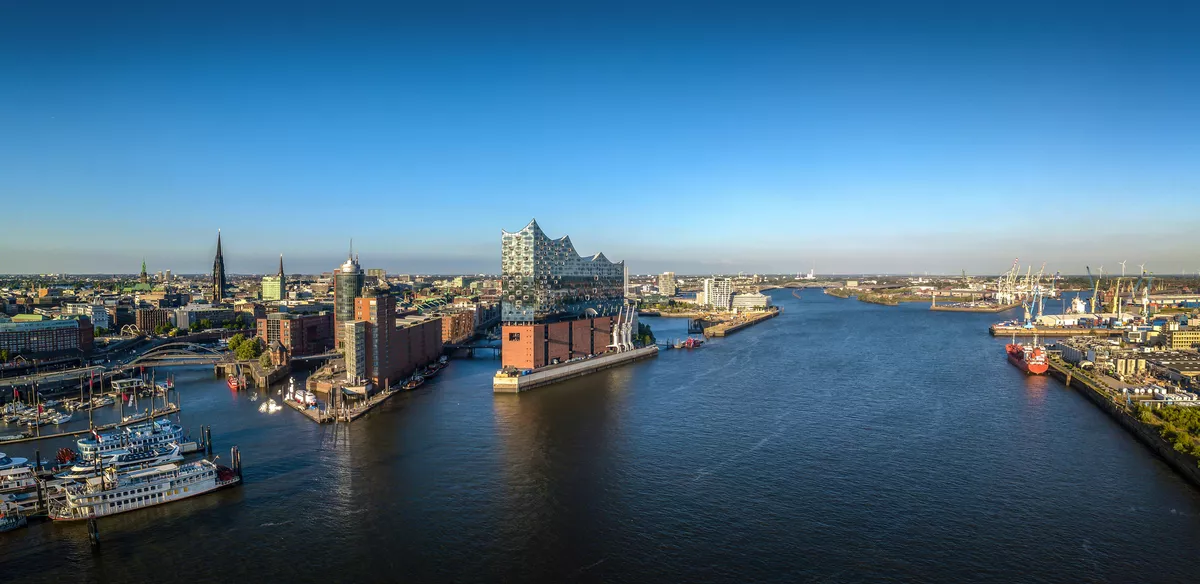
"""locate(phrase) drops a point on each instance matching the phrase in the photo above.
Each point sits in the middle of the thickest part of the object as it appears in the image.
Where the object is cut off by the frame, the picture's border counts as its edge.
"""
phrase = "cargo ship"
(1031, 360)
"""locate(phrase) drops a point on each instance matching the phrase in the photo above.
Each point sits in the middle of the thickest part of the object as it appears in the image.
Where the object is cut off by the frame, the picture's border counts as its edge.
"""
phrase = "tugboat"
(1032, 360)
(233, 382)
(414, 382)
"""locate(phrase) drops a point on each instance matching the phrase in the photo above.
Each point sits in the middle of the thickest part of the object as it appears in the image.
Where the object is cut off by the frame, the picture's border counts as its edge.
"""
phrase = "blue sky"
(694, 137)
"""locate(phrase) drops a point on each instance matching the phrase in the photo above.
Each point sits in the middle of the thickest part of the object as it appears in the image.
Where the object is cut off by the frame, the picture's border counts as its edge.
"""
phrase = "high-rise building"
(556, 305)
(218, 274)
(718, 293)
(273, 287)
(666, 284)
(347, 285)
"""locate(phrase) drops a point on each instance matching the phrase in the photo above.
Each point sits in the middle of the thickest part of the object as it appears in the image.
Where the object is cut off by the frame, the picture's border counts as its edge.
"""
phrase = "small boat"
(270, 407)
(102, 401)
(61, 418)
(10, 518)
(233, 382)
(254, 397)
(7, 463)
(414, 382)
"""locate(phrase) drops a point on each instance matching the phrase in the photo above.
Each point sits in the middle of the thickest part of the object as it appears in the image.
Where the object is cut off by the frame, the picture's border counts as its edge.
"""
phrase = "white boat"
(270, 407)
(60, 418)
(124, 460)
(17, 478)
(102, 401)
(147, 434)
(114, 492)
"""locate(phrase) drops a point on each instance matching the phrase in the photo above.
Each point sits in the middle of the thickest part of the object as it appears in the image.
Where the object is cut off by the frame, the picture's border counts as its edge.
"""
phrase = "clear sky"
(694, 137)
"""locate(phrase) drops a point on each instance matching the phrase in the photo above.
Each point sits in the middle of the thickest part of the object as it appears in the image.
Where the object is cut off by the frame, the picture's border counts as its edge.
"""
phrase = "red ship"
(233, 382)
(1031, 360)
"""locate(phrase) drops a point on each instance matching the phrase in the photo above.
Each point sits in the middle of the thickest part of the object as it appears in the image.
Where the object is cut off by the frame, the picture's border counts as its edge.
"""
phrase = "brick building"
(536, 345)
(299, 334)
(148, 319)
(47, 337)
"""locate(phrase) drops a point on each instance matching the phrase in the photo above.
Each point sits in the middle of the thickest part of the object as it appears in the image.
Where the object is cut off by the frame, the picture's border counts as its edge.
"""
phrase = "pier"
(732, 326)
(564, 371)
(158, 413)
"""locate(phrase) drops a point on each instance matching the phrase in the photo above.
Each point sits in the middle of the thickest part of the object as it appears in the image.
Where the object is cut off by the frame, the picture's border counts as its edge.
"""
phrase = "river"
(841, 441)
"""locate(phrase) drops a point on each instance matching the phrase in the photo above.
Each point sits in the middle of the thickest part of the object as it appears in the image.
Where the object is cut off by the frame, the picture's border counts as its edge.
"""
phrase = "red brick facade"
(536, 345)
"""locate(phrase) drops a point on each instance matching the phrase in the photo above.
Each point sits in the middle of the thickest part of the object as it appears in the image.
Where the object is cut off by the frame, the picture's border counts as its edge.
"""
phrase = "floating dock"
(1047, 331)
(564, 371)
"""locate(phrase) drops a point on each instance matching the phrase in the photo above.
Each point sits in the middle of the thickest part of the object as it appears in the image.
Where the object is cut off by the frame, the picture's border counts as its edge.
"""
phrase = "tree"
(206, 324)
(194, 327)
(235, 341)
(265, 360)
(250, 349)
(163, 328)
(3, 355)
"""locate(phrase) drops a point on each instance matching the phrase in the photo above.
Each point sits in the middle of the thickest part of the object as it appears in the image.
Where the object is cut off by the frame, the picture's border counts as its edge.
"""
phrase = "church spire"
(218, 274)
(281, 267)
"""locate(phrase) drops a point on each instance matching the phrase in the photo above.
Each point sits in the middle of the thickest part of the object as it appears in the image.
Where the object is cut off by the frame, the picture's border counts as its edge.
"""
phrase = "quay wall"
(1000, 308)
(722, 330)
(1147, 434)
(558, 373)
(1041, 331)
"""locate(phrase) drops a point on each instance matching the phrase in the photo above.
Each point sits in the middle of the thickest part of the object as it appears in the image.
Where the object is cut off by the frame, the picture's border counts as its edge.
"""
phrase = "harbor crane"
(1095, 288)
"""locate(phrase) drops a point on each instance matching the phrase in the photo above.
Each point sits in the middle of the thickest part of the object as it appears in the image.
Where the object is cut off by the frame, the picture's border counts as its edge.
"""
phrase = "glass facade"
(347, 285)
(545, 280)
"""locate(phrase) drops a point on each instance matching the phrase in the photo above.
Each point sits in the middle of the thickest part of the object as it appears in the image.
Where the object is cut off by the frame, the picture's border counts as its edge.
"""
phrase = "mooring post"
(93, 532)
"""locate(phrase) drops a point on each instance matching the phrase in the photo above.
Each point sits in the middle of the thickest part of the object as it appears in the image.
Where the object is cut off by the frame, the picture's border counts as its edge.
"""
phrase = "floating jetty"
(503, 383)
(1052, 331)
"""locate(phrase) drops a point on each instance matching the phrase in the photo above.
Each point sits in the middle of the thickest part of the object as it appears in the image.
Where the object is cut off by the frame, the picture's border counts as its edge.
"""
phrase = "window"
(514, 336)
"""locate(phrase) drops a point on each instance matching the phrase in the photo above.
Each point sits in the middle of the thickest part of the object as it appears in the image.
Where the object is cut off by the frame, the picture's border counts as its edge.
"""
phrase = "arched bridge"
(178, 354)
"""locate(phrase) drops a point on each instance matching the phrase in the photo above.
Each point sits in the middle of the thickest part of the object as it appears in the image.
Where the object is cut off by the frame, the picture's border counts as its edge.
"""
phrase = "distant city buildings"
(96, 312)
(273, 287)
(666, 284)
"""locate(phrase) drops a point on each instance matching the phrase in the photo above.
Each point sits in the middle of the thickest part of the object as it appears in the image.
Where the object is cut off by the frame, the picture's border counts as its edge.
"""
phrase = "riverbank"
(1118, 407)
(980, 308)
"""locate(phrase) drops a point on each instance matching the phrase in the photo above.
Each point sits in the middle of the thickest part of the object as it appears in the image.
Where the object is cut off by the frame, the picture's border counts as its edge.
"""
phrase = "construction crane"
(1116, 297)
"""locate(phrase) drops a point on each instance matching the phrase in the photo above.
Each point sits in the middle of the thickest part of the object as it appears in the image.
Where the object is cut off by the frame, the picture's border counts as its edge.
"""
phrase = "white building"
(95, 312)
(751, 301)
(718, 293)
(355, 338)
(666, 284)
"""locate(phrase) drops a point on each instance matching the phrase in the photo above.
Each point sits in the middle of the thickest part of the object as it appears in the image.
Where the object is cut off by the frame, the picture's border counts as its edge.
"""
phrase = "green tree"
(163, 328)
(265, 360)
(250, 349)
(3, 355)
(235, 341)
(206, 324)
(194, 327)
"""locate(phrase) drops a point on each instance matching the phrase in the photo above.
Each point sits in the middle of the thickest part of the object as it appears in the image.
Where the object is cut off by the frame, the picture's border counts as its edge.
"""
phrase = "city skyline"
(761, 139)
